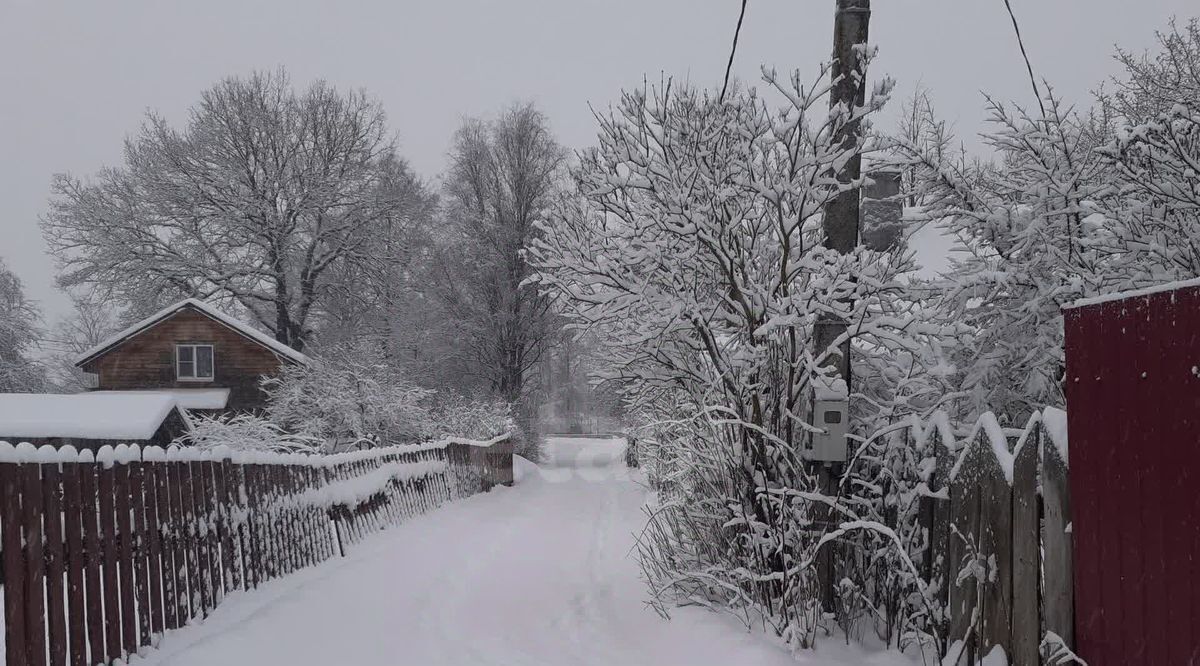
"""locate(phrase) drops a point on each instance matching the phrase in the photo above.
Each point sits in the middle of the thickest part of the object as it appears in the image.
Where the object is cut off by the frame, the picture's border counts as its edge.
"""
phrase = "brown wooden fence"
(103, 554)
(997, 515)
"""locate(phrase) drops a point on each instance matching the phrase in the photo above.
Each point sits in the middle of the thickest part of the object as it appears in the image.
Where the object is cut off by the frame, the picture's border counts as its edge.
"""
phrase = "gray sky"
(76, 77)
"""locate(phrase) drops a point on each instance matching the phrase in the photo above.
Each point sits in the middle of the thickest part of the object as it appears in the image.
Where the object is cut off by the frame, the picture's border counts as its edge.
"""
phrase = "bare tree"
(1154, 82)
(380, 299)
(18, 336)
(503, 176)
(91, 323)
(255, 202)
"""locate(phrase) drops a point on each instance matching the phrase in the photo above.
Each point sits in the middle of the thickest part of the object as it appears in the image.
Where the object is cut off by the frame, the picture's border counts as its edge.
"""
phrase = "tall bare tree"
(18, 335)
(257, 201)
(502, 178)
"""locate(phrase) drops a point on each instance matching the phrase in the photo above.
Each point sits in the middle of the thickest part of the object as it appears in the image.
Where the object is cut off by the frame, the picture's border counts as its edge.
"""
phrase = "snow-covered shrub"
(245, 432)
(346, 396)
(453, 414)
(1073, 204)
(693, 250)
(1034, 240)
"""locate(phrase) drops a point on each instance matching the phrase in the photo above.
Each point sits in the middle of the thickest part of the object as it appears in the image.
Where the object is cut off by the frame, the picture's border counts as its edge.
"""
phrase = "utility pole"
(841, 220)
(841, 227)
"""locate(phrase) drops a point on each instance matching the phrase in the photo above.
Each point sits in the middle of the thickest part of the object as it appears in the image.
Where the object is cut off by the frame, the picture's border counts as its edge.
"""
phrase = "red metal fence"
(102, 555)
(1133, 390)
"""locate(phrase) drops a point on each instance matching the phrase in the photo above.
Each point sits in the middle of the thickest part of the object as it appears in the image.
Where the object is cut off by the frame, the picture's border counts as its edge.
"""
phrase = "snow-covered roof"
(94, 415)
(199, 398)
(1121, 295)
(204, 308)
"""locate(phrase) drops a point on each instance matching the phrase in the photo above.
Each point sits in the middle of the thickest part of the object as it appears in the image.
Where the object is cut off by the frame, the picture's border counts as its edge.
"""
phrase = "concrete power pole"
(841, 219)
(841, 227)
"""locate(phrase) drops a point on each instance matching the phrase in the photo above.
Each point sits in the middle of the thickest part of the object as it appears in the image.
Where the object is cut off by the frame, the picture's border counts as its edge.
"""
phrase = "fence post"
(11, 531)
(212, 531)
(1058, 595)
(125, 557)
(141, 550)
(73, 530)
(88, 477)
(151, 470)
(1026, 547)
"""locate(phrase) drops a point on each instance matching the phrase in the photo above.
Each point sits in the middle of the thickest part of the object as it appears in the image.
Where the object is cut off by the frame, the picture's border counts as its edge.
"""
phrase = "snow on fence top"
(995, 438)
(1134, 293)
(93, 415)
(24, 452)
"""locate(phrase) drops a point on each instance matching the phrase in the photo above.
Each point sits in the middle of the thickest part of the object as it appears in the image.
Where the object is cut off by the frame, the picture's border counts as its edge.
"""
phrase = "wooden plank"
(234, 496)
(303, 543)
(56, 594)
(285, 536)
(996, 535)
(129, 637)
(939, 536)
(35, 565)
(167, 541)
(200, 523)
(185, 581)
(288, 536)
(211, 541)
(1026, 551)
(1058, 595)
(964, 537)
(193, 544)
(94, 557)
(272, 543)
(224, 536)
(154, 549)
(13, 550)
(141, 550)
(75, 563)
(250, 544)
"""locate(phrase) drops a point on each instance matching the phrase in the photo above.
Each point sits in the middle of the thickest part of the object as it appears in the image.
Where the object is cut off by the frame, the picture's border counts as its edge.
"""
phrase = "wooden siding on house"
(147, 360)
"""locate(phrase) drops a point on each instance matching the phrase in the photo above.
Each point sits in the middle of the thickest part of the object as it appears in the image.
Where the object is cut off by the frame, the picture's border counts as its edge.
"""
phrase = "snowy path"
(539, 574)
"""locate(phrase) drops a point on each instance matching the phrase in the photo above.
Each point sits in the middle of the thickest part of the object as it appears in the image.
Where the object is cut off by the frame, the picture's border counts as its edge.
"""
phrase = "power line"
(729, 67)
(1021, 43)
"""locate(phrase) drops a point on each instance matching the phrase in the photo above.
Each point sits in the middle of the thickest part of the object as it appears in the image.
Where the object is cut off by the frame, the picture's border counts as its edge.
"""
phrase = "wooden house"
(202, 357)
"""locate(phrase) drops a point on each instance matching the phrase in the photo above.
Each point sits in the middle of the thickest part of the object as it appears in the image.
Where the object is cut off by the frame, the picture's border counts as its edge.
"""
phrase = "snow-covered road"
(542, 573)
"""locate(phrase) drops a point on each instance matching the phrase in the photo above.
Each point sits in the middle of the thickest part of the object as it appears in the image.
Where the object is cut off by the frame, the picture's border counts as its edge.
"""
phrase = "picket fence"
(104, 553)
(997, 514)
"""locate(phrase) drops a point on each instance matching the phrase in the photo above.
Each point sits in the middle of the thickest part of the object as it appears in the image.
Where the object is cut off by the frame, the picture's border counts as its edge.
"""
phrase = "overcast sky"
(76, 77)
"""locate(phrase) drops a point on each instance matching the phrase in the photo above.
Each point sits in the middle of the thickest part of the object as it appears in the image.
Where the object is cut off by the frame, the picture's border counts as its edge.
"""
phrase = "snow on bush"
(347, 397)
(453, 414)
(1075, 204)
(245, 432)
(694, 250)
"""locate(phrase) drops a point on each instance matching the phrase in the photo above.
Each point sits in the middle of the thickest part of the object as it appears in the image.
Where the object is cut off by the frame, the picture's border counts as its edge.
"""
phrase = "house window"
(194, 363)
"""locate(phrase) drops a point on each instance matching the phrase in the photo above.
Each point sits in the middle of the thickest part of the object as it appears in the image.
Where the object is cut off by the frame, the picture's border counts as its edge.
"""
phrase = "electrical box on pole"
(831, 415)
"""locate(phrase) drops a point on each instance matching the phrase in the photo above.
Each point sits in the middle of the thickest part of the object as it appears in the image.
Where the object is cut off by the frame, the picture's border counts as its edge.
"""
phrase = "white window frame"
(195, 366)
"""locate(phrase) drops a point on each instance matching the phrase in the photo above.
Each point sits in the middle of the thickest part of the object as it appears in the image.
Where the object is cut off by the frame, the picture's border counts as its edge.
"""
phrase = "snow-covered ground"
(539, 574)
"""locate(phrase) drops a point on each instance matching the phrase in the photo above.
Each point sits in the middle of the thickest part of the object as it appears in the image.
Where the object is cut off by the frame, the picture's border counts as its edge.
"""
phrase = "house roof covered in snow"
(186, 398)
(241, 327)
(94, 415)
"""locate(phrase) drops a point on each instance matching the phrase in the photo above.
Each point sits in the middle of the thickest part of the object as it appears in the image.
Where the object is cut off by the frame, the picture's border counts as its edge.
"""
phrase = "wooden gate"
(1133, 395)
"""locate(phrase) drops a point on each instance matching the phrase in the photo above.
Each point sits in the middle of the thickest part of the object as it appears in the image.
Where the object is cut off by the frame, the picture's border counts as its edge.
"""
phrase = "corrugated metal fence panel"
(1133, 395)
